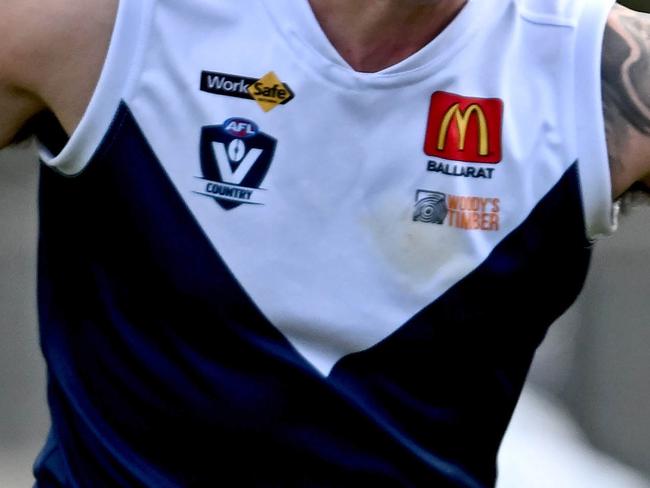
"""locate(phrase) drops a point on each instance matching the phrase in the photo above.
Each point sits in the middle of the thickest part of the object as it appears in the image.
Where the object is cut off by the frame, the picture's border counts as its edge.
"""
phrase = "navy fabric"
(452, 375)
(163, 372)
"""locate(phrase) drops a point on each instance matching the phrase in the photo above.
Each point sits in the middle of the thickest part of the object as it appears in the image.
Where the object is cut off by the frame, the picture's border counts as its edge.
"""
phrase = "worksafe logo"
(268, 91)
(464, 129)
(235, 158)
(461, 212)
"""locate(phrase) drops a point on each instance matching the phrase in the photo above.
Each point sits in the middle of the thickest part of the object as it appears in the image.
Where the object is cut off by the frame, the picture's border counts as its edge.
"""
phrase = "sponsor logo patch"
(430, 207)
(235, 158)
(463, 171)
(461, 212)
(268, 91)
(464, 129)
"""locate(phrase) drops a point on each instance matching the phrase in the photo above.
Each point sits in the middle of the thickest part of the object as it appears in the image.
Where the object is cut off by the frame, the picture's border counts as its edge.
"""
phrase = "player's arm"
(17, 102)
(51, 54)
(16, 108)
(626, 96)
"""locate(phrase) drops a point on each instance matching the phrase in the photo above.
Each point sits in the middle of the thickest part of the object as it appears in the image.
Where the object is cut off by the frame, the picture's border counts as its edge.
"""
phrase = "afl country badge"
(235, 158)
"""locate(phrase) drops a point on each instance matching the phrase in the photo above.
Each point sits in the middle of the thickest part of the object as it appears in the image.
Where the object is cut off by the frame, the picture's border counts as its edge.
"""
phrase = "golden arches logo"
(462, 119)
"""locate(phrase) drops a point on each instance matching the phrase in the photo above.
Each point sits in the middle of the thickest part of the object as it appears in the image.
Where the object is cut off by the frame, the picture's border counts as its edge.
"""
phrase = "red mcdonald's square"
(464, 129)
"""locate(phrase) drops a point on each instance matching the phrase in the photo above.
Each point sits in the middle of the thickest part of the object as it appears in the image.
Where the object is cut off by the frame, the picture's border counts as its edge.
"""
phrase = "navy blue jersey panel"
(451, 376)
(163, 372)
(49, 467)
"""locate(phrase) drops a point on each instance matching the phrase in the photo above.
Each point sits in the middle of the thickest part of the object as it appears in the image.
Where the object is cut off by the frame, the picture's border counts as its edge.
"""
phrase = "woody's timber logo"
(461, 212)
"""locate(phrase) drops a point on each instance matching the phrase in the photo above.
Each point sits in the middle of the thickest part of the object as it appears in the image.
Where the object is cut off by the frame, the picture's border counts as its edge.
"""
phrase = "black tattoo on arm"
(626, 82)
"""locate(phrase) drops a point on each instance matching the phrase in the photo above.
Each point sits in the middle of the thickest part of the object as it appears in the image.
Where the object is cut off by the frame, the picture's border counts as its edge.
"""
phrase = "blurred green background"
(637, 4)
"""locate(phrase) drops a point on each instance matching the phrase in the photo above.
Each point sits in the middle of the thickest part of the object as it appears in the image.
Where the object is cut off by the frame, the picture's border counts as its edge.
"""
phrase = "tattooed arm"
(626, 96)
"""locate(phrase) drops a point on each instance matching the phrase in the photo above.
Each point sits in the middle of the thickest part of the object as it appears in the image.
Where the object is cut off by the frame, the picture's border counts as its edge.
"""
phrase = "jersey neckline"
(301, 30)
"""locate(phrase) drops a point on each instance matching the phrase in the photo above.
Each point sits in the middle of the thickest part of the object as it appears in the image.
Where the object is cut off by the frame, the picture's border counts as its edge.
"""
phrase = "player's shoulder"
(555, 12)
(39, 35)
(620, 11)
(626, 26)
(51, 51)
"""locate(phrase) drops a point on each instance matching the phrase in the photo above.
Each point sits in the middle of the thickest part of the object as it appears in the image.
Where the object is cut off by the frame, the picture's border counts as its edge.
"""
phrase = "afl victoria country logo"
(464, 129)
(235, 158)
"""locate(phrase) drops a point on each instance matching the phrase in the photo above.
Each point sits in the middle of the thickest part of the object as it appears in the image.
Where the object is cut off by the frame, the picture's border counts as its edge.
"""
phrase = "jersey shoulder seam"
(546, 19)
(556, 13)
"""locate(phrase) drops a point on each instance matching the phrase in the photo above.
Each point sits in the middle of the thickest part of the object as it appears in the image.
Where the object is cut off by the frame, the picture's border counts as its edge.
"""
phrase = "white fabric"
(601, 218)
(334, 258)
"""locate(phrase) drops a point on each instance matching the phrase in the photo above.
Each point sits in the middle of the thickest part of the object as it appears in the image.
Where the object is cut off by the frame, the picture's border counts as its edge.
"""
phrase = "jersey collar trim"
(300, 28)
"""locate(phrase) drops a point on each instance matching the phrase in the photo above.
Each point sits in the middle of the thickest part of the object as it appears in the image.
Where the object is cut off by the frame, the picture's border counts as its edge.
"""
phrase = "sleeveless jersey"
(258, 265)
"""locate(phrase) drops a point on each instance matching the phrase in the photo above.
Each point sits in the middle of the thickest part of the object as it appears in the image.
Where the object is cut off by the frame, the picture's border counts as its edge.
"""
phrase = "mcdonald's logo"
(464, 129)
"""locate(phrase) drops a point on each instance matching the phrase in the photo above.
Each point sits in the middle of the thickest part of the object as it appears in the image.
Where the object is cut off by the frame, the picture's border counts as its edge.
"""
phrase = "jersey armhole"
(117, 74)
(601, 213)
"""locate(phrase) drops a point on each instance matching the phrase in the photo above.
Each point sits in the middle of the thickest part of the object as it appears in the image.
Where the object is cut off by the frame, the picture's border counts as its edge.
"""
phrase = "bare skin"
(626, 96)
(52, 52)
(51, 56)
(374, 34)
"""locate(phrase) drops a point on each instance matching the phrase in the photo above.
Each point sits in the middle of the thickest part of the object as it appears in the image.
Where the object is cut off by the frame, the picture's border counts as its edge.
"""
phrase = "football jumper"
(259, 267)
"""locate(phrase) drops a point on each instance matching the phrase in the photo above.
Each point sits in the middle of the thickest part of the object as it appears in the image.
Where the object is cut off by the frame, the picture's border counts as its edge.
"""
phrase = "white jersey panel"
(352, 227)
(581, 16)
(601, 216)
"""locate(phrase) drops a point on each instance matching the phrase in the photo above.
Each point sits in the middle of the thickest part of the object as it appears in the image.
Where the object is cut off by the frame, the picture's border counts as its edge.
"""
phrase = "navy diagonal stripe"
(163, 372)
